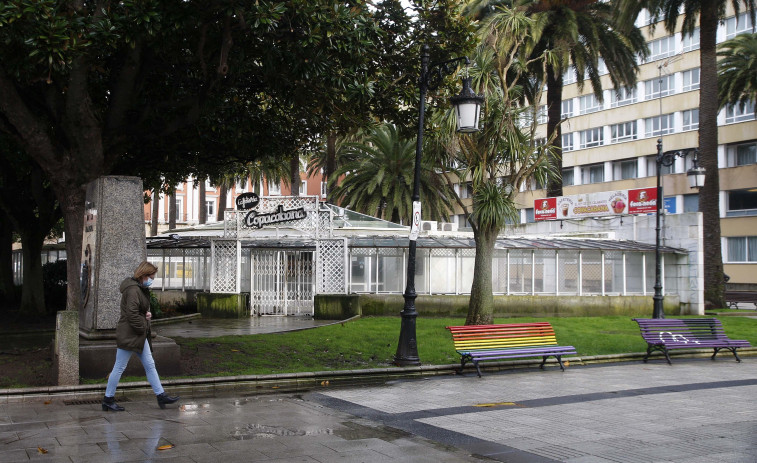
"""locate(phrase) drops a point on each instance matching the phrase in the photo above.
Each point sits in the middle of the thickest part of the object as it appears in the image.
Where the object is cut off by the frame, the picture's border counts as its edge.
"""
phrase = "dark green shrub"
(55, 284)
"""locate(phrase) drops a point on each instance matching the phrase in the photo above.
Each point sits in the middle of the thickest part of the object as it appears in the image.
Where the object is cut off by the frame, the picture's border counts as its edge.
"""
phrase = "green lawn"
(372, 342)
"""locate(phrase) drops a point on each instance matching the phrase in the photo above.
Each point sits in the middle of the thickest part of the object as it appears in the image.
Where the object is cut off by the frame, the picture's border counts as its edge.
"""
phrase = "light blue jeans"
(122, 359)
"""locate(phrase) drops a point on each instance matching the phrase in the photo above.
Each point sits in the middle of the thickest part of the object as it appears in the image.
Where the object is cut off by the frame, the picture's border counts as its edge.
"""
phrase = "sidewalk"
(696, 410)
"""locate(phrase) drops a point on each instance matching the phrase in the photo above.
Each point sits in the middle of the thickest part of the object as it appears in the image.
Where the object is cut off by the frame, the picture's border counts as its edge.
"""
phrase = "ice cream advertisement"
(603, 204)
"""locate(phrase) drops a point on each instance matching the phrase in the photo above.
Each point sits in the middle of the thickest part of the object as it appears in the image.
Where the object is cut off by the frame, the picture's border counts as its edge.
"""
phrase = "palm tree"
(378, 179)
(581, 33)
(737, 70)
(501, 157)
(706, 14)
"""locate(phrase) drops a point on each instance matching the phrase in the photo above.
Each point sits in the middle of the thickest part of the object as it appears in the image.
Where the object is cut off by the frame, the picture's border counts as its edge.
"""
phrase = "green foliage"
(155, 306)
(737, 70)
(378, 178)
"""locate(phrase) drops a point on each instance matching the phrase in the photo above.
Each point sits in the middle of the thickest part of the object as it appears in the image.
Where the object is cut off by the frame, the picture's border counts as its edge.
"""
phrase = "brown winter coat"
(133, 326)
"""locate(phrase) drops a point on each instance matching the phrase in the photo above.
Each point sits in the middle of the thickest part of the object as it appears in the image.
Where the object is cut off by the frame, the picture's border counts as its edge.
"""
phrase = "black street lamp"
(467, 109)
(695, 177)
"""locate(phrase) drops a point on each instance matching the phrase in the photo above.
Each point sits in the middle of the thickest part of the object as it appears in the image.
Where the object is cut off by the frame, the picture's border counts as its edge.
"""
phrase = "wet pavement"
(696, 410)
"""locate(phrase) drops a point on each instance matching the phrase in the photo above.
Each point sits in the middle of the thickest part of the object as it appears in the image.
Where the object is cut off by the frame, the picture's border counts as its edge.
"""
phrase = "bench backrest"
(676, 330)
(512, 335)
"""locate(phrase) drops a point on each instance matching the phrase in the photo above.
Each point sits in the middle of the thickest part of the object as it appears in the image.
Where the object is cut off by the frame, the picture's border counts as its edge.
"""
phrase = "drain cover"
(90, 401)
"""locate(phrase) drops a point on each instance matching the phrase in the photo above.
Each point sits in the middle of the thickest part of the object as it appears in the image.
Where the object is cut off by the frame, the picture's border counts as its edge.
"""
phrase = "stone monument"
(113, 245)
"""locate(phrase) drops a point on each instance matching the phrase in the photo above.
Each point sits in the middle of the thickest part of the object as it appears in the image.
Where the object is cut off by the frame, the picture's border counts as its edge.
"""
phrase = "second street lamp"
(695, 177)
(467, 110)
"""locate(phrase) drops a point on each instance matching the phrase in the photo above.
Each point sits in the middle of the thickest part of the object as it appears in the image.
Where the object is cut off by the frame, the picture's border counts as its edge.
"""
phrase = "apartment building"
(612, 145)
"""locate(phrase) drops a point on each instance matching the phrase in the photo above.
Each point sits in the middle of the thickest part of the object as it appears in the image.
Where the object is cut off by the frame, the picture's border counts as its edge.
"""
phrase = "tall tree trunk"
(172, 211)
(7, 289)
(294, 175)
(222, 195)
(709, 202)
(330, 163)
(33, 291)
(481, 305)
(554, 114)
(202, 207)
(155, 211)
(72, 204)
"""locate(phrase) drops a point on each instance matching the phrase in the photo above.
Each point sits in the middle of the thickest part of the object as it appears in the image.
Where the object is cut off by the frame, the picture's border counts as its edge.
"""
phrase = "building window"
(274, 189)
(567, 142)
(658, 126)
(530, 215)
(742, 248)
(303, 187)
(592, 137)
(541, 115)
(466, 190)
(656, 88)
(690, 79)
(742, 155)
(623, 132)
(588, 104)
(569, 76)
(690, 119)
(568, 177)
(736, 25)
(462, 222)
(737, 113)
(661, 48)
(742, 202)
(623, 96)
(594, 173)
(210, 207)
(652, 167)
(625, 169)
(324, 189)
(691, 203)
(179, 205)
(691, 42)
(567, 109)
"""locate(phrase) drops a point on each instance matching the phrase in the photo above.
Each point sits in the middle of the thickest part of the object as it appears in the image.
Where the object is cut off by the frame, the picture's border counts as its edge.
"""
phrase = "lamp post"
(467, 110)
(695, 177)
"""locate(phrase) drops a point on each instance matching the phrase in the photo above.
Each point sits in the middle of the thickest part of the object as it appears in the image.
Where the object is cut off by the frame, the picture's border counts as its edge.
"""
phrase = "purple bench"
(664, 334)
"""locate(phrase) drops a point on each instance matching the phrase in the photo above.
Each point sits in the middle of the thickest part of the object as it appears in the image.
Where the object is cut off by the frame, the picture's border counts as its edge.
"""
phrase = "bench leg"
(651, 348)
(732, 349)
(463, 360)
(559, 361)
(543, 361)
(478, 370)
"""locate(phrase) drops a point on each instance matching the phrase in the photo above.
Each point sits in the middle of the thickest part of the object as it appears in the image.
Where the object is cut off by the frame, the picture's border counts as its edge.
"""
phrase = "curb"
(307, 381)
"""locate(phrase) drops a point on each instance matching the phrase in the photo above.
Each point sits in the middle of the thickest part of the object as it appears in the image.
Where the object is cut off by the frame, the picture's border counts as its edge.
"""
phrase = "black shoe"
(163, 399)
(109, 403)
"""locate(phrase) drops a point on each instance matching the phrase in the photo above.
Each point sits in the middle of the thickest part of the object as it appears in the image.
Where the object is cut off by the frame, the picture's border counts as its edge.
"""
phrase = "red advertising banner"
(602, 204)
(642, 200)
(545, 209)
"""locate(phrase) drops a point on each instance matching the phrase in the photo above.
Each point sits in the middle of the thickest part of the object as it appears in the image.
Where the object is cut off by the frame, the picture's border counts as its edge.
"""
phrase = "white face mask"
(147, 282)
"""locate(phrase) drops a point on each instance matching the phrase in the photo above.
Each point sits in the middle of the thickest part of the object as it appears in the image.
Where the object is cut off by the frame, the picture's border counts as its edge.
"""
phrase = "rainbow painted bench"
(478, 343)
(665, 334)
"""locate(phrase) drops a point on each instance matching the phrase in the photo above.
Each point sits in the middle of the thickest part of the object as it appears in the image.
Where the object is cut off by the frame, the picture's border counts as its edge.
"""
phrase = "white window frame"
(566, 112)
(735, 113)
(179, 200)
(589, 173)
(210, 207)
(588, 104)
(691, 79)
(732, 157)
(567, 146)
(736, 25)
(623, 96)
(657, 88)
(661, 48)
(651, 131)
(274, 188)
(592, 137)
(569, 76)
(748, 257)
(691, 41)
(690, 119)
(625, 131)
(541, 115)
(618, 169)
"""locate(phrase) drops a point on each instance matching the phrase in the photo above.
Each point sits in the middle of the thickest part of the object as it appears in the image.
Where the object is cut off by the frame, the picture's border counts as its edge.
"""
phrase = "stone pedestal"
(113, 245)
(97, 357)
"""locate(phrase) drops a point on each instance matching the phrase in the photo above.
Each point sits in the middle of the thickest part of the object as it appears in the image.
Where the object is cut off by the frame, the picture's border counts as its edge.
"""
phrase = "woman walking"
(133, 336)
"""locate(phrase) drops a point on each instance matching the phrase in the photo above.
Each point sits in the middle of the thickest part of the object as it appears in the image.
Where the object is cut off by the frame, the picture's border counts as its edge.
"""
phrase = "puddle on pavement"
(357, 431)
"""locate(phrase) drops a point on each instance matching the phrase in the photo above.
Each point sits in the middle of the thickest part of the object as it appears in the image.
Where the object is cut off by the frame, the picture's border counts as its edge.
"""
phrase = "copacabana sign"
(602, 204)
(254, 219)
